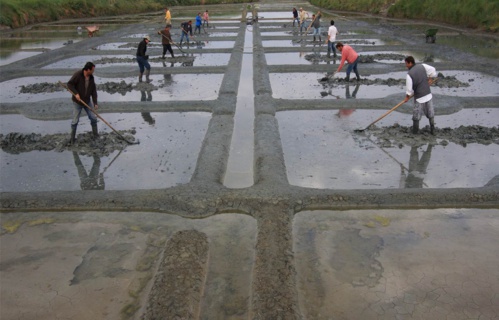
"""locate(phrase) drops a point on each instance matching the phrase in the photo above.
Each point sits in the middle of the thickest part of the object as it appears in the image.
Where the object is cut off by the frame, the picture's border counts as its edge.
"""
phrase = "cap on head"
(147, 38)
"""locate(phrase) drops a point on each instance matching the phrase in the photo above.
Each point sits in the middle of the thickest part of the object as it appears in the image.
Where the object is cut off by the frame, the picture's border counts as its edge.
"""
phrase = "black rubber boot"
(163, 57)
(314, 38)
(95, 133)
(415, 126)
(140, 77)
(72, 139)
(347, 79)
(432, 126)
(147, 76)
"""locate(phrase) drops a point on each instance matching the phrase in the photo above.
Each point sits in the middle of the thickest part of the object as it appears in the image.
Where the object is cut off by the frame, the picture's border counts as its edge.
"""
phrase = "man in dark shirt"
(166, 40)
(83, 86)
(142, 58)
(186, 29)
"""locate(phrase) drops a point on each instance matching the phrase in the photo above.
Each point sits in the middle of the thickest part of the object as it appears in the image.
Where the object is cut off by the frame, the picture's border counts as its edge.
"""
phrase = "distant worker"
(142, 58)
(418, 81)
(348, 54)
(166, 40)
(206, 19)
(332, 32)
(199, 22)
(295, 17)
(186, 27)
(82, 84)
(316, 24)
(303, 19)
(168, 17)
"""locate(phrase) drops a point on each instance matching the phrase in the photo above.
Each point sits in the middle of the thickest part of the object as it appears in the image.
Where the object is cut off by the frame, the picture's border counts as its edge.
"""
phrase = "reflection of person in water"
(354, 94)
(93, 180)
(147, 115)
(417, 168)
(143, 96)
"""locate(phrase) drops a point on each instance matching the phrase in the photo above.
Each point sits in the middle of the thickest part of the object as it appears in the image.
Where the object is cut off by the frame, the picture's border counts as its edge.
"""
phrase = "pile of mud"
(441, 81)
(110, 87)
(365, 58)
(179, 59)
(398, 135)
(104, 145)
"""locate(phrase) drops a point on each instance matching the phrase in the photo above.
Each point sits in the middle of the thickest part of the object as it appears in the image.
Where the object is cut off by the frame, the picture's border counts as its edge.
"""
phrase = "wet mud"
(398, 135)
(85, 144)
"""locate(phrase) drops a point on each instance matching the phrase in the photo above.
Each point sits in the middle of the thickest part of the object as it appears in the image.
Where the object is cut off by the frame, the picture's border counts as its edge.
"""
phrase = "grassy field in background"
(481, 14)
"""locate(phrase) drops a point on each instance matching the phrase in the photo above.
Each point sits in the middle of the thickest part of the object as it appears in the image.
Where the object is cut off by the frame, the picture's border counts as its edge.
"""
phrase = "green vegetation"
(18, 13)
(483, 14)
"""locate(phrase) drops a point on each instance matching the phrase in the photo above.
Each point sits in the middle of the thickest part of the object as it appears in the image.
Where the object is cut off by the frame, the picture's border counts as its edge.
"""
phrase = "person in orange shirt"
(348, 54)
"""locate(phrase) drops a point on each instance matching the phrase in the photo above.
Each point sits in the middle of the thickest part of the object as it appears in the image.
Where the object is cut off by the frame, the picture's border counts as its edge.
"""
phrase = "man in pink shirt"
(348, 54)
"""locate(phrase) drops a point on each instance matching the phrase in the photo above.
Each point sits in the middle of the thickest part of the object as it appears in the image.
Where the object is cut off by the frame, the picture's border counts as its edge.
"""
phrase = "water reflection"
(145, 95)
(417, 168)
(354, 93)
(92, 180)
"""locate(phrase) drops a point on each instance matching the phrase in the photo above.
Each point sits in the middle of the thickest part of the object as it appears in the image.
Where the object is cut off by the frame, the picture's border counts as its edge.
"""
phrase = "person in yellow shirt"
(168, 17)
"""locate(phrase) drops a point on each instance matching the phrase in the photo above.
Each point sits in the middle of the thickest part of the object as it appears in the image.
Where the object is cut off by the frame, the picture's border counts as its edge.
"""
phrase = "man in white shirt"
(418, 81)
(331, 39)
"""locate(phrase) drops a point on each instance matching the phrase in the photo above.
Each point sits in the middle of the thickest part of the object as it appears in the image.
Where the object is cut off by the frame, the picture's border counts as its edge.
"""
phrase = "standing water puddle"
(286, 86)
(105, 261)
(388, 264)
(172, 142)
(239, 172)
(329, 155)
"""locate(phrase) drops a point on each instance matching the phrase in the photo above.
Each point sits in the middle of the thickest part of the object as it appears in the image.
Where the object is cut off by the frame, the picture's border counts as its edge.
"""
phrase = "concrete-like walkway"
(271, 250)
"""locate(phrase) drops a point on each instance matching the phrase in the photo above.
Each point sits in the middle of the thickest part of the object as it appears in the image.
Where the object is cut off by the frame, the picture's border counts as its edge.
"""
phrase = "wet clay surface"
(152, 245)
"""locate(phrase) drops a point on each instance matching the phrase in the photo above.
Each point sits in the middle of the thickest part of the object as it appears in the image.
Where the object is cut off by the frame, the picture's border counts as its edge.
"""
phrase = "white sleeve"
(408, 85)
(431, 72)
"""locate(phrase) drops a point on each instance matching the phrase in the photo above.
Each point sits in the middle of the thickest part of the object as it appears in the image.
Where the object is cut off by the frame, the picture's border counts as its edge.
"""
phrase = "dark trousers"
(168, 47)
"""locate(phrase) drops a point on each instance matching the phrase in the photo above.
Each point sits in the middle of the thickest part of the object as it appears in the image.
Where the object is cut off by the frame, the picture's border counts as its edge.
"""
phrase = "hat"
(147, 38)
(301, 8)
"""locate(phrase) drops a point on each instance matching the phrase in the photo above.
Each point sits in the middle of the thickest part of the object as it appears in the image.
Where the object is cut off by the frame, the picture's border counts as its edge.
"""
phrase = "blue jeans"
(186, 35)
(143, 63)
(297, 20)
(304, 25)
(331, 46)
(77, 111)
(354, 67)
(317, 32)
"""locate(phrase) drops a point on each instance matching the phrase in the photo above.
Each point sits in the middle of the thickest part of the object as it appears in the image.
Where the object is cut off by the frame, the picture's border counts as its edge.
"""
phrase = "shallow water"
(321, 150)
(108, 256)
(386, 264)
(175, 87)
(171, 141)
(286, 86)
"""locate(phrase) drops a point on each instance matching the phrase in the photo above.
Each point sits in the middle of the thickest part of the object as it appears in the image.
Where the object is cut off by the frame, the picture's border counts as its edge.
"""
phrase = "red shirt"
(347, 54)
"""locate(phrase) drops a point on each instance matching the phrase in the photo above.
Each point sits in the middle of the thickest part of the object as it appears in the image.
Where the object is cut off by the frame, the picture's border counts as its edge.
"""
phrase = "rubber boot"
(72, 139)
(320, 39)
(415, 126)
(347, 79)
(140, 76)
(432, 126)
(95, 133)
(163, 57)
(147, 75)
(314, 38)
